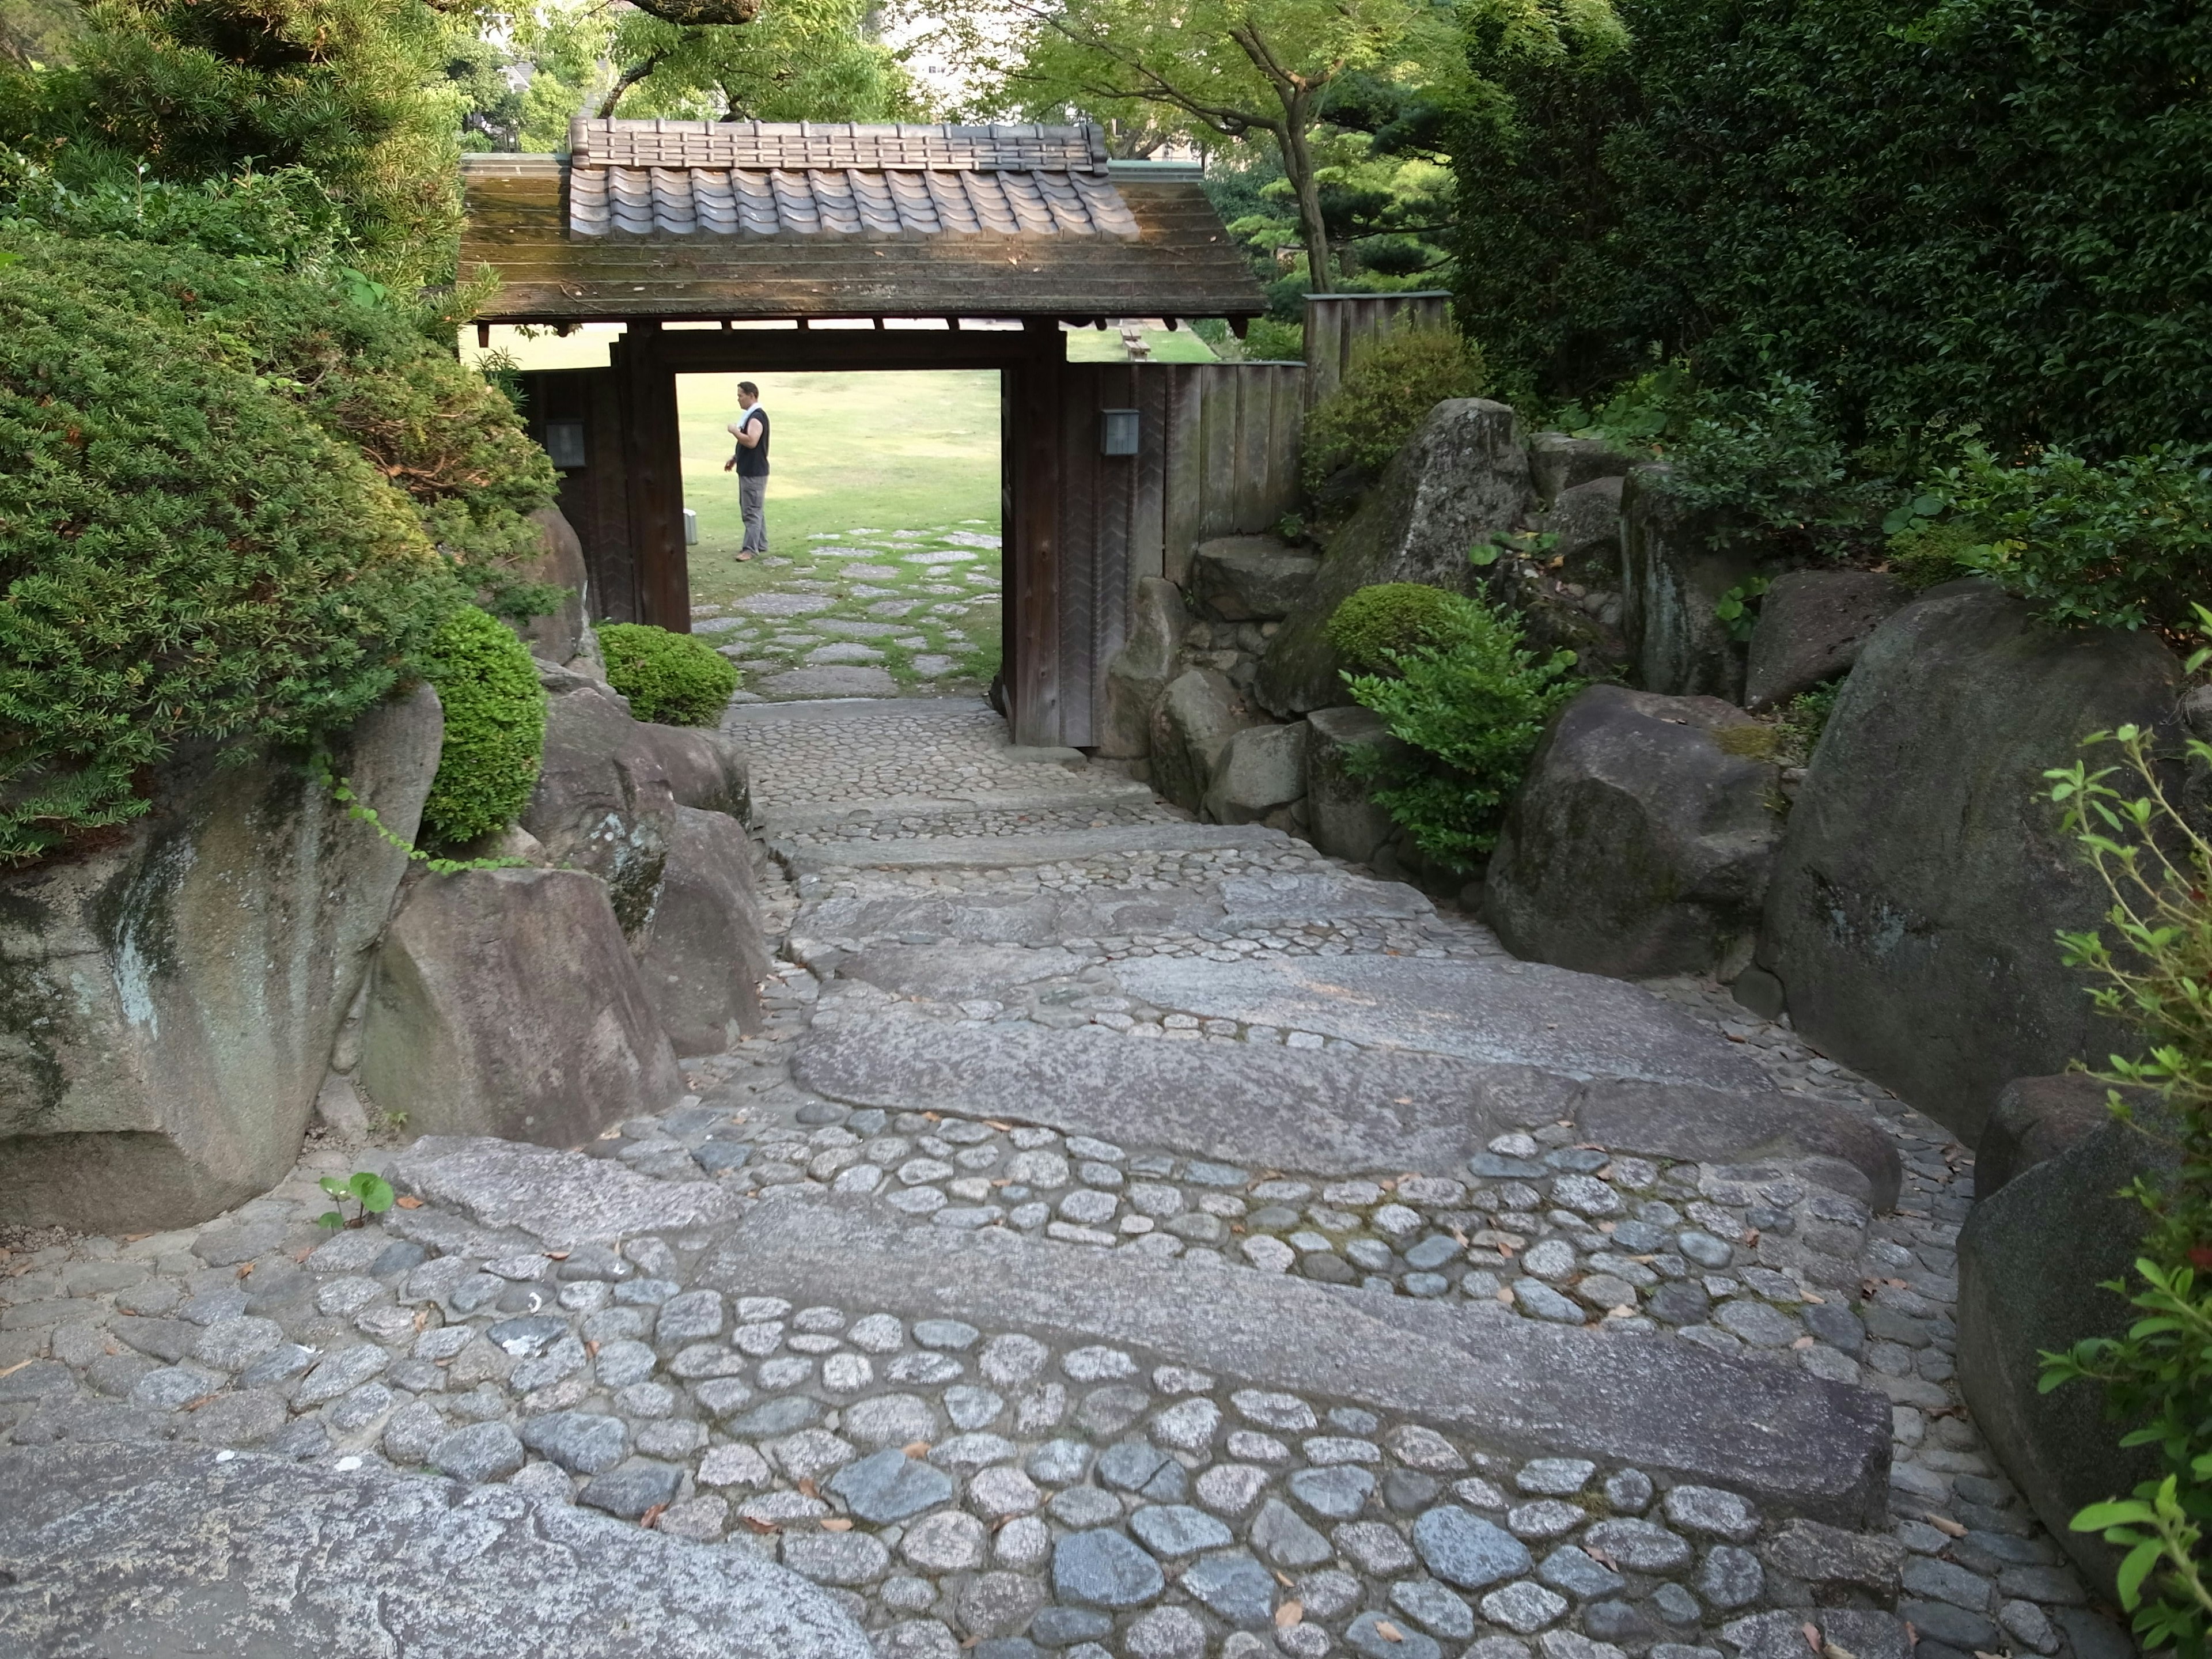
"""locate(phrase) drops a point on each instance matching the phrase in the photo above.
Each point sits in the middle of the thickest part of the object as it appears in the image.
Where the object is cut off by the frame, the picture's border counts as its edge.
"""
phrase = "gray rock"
(1639, 1546)
(1586, 520)
(1925, 960)
(1465, 1550)
(1102, 1568)
(1641, 841)
(701, 951)
(581, 1442)
(174, 996)
(481, 1452)
(1677, 561)
(1342, 820)
(847, 1559)
(1197, 715)
(1338, 1493)
(1166, 1634)
(556, 637)
(1558, 463)
(1174, 1530)
(1139, 672)
(507, 1002)
(1249, 578)
(558, 1198)
(1812, 626)
(1234, 1588)
(632, 1489)
(1462, 474)
(2036, 1118)
(890, 1486)
(1284, 1538)
(2031, 1262)
(1262, 767)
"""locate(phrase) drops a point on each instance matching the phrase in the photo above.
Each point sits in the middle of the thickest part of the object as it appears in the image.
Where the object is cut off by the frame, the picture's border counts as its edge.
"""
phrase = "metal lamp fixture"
(1117, 431)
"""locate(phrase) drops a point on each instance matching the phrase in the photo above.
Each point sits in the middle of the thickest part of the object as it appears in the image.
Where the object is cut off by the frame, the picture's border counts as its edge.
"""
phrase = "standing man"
(750, 462)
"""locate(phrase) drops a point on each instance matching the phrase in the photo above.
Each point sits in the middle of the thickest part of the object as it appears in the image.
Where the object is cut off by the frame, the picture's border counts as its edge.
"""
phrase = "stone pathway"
(869, 613)
(1131, 1237)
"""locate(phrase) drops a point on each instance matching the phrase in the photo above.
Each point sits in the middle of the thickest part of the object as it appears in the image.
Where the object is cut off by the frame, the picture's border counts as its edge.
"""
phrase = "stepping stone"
(933, 667)
(95, 1534)
(872, 573)
(856, 630)
(843, 652)
(840, 681)
(782, 604)
(1053, 847)
(718, 625)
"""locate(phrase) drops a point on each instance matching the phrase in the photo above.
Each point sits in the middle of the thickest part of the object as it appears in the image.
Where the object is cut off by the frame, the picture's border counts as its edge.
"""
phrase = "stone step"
(889, 912)
(147, 1548)
(1085, 793)
(1015, 852)
(1788, 1441)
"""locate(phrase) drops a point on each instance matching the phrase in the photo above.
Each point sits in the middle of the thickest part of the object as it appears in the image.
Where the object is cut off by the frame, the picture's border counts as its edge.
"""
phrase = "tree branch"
(630, 77)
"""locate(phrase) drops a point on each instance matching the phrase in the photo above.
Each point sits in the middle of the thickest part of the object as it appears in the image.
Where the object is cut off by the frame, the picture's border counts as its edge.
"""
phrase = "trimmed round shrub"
(495, 727)
(1371, 626)
(186, 555)
(672, 678)
(1384, 397)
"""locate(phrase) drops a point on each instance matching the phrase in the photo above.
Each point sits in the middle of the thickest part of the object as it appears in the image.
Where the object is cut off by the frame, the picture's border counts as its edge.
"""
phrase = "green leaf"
(330, 1218)
(373, 1191)
(1483, 553)
(336, 1187)
(2119, 1511)
(2136, 1568)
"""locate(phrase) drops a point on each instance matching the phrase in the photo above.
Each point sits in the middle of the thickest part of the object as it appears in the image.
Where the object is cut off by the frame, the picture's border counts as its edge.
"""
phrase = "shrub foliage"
(1986, 212)
(1385, 395)
(1371, 626)
(495, 727)
(1473, 708)
(669, 678)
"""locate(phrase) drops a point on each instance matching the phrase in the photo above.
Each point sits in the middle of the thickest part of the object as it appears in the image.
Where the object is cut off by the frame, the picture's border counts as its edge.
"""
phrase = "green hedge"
(1369, 627)
(1381, 401)
(1986, 212)
(186, 554)
(672, 678)
(495, 727)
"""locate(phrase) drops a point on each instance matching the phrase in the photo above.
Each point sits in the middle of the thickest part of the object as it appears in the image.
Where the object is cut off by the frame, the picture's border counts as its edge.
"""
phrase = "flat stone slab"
(847, 680)
(1778, 1436)
(560, 1197)
(1501, 1012)
(132, 1549)
(1321, 1112)
(1043, 919)
(1053, 847)
(788, 713)
(1071, 797)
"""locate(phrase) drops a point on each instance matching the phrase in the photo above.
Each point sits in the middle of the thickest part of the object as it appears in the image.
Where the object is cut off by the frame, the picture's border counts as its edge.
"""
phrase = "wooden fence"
(1339, 326)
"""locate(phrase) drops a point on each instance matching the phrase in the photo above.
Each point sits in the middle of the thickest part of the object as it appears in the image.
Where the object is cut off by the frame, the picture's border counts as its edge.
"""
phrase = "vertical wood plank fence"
(1339, 326)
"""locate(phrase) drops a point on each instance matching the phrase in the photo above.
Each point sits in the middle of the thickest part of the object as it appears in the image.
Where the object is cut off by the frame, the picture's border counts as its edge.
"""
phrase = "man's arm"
(745, 432)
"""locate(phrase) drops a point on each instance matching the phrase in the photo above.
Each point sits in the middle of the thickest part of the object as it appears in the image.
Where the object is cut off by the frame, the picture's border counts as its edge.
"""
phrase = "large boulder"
(507, 1002)
(703, 953)
(1249, 578)
(1197, 715)
(1340, 818)
(1263, 769)
(168, 1001)
(1558, 463)
(1139, 672)
(609, 788)
(1642, 841)
(2033, 1262)
(1462, 476)
(2036, 1118)
(144, 1551)
(1811, 626)
(559, 563)
(1678, 563)
(1923, 876)
(1586, 520)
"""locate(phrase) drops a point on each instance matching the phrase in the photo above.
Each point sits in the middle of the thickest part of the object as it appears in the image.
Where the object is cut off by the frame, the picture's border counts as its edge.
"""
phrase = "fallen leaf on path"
(756, 1524)
(916, 1448)
(652, 1516)
(838, 1523)
(1944, 1523)
(17, 1366)
(808, 1488)
(1289, 1613)
(1812, 1635)
(409, 1203)
(1388, 1632)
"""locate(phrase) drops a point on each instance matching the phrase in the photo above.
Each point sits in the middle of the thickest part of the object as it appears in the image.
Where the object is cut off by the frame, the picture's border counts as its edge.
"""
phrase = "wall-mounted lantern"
(1117, 431)
(565, 443)
(690, 528)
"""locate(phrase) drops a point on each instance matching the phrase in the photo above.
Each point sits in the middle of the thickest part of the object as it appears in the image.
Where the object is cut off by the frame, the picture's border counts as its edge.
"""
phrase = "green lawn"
(882, 502)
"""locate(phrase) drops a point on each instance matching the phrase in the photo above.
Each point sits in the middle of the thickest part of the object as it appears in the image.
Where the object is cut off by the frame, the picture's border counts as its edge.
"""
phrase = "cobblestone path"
(1137, 1237)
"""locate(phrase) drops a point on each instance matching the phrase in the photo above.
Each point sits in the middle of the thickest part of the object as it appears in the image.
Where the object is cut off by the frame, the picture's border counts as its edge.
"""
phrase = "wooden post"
(1033, 598)
(653, 463)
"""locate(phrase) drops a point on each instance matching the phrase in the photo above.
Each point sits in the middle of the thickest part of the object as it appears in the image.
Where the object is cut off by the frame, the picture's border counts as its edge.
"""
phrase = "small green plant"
(495, 727)
(672, 678)
(1267, 341)
(1371, 627)
(1472, 709)
(2126, 545)
(1487, 550)
(369, 1194)
(1386, 394)
(1804, 718)
(1738, 609)
(2154, 959)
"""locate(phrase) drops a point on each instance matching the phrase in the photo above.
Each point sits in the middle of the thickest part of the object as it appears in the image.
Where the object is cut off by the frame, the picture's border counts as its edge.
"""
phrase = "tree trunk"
(1297, 167)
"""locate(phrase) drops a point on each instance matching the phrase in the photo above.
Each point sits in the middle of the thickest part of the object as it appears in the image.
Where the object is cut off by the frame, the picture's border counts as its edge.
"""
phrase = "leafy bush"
(495, 727)
(187, 552)
(2154, 961)
(669, 678)
(2126, 545)
(1474, 709)
(1985, 211)
(1266, 341)
(1369, 627)
(1385, 395)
